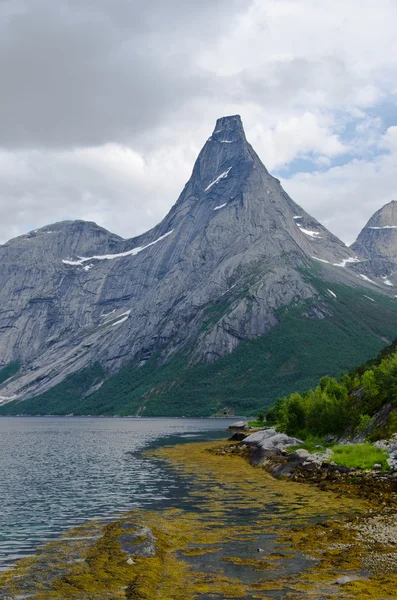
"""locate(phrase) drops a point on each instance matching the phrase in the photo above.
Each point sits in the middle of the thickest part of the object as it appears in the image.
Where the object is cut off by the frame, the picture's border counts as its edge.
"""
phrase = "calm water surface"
(56, 473)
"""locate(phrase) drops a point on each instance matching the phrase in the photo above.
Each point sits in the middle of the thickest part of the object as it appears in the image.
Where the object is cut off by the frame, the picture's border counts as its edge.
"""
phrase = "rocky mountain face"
(377, 244)
(230, 254)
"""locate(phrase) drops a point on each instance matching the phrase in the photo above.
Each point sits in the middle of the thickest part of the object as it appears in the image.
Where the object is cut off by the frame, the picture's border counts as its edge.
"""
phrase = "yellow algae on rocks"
(241, 534)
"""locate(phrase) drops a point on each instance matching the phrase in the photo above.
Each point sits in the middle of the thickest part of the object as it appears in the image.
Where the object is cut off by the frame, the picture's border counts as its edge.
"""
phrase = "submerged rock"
(139, 541)
(347, 579)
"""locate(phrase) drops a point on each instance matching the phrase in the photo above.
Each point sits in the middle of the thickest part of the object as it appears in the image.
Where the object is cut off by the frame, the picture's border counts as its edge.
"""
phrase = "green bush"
(364, 423)
(342, 406)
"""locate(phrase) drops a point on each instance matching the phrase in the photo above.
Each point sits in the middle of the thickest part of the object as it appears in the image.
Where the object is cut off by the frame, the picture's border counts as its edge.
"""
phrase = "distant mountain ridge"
(231, 256)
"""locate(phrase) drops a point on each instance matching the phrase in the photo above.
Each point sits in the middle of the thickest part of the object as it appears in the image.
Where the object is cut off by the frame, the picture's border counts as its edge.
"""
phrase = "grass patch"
(360, 456)
(256, 424)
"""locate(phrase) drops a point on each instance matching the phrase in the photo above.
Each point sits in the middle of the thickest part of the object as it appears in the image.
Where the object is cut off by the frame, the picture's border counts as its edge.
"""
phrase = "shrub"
(364, 423)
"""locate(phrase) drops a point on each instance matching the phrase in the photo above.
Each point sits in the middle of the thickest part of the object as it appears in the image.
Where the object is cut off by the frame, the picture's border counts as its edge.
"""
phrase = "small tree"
(261, 417)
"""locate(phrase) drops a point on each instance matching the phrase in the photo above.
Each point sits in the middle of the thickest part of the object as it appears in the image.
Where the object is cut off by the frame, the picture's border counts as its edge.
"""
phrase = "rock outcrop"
(268, 439)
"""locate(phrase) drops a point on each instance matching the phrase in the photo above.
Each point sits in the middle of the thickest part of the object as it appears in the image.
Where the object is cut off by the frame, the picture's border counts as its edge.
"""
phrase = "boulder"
(319, 458)
(382, 444)
(238, 436)
(347, 579)
(259, 436)
(392, 461)
(302, 453)
(389, 446)
(238, 425)
(269, 438)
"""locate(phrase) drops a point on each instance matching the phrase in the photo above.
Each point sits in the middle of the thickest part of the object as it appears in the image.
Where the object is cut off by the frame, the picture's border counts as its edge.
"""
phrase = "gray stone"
(260, 436)
(302, 452)
(392, 462)
(270, 438)
(238, 425)
(346, 579)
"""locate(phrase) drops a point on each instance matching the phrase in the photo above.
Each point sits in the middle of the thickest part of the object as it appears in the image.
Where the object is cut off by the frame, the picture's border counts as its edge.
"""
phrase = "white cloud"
(105, 106)
(345, 197)
(112, 185)
(296, 137)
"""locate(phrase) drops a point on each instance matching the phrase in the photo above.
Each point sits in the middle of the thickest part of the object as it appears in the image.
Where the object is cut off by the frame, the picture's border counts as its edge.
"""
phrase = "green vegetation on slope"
(63, 399)
(9, 370)
(348, 404)
(294, 355)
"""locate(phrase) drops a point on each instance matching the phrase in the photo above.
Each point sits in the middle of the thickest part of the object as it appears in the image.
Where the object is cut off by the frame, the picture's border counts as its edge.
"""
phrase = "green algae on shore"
(240, 534)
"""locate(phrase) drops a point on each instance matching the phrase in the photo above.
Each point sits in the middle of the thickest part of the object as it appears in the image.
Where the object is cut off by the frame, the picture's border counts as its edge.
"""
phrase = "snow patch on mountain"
(82, 259)
(313, 234)
(345, 261)
(342, 264)
(366, 278)
(387, 281)
(121, 318)
(385, 227)
(218, 179)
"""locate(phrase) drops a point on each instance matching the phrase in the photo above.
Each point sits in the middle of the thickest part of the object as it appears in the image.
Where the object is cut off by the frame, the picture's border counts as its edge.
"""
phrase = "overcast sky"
(105, 104)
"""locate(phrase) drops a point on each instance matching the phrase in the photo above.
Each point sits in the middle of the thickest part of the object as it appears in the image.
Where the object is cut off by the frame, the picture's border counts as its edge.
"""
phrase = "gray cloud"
(87, 72)
(105, 104)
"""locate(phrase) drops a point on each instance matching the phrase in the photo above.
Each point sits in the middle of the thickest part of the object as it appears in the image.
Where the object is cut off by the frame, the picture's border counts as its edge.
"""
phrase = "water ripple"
(57, 473)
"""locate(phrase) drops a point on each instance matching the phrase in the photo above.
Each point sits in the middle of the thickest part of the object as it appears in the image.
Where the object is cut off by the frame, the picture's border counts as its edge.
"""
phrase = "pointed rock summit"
(377, 245)
(378, 239)
(231, 255)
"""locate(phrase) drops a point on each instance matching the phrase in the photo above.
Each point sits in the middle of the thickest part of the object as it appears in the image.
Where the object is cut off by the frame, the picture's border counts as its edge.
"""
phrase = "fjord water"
(56, 473)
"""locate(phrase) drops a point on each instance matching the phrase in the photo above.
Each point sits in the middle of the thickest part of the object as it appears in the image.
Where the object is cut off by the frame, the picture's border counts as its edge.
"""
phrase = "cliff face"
(72, 294)
(377, 244)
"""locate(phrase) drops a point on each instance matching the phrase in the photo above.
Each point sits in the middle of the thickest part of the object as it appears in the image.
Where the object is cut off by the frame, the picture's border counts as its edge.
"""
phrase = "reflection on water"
(59, 472)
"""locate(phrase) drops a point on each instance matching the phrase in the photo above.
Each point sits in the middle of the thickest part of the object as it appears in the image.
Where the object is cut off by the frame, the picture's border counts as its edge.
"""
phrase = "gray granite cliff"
(234, 243)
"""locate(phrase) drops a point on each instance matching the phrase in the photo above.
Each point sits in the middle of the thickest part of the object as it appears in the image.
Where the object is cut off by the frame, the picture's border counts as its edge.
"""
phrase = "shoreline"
(263, 535)
(379, 487)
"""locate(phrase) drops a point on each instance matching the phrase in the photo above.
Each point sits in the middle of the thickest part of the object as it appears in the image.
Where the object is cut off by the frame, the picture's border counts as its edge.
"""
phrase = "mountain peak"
(220, 268)
(385, 217)
(378, 239)
(229, 129)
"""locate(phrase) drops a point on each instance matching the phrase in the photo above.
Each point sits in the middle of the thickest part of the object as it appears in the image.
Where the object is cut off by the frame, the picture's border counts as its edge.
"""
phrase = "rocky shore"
(238, 533)
(269, 449)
